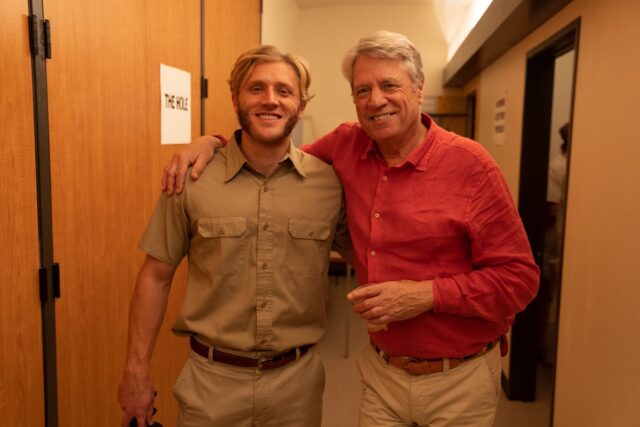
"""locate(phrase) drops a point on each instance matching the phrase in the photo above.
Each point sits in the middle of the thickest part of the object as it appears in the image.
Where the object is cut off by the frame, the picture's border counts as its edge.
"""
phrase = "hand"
(198, 154)
(135, 394)
(373, 327)
(382, 303)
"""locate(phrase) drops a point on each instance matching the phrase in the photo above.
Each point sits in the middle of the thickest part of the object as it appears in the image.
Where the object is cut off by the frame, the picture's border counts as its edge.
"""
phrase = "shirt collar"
(418, 158)
(236, 159)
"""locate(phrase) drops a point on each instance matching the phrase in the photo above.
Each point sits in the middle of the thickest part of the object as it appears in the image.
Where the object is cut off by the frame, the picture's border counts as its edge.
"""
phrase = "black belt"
(262, 363)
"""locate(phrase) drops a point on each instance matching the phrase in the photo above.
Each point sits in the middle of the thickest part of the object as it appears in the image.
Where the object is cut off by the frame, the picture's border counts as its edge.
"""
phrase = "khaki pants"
(215, 394)
(464, 396)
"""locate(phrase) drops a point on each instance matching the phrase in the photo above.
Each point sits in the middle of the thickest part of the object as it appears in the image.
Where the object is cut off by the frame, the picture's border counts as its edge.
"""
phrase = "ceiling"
(324, 3)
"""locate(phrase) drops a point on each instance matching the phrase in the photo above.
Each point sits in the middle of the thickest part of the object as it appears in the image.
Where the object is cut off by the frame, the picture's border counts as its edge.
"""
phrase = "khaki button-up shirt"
(258, 249)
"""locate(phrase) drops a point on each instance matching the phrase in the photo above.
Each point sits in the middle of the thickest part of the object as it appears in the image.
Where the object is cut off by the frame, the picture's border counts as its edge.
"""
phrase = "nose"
(269, 96)
(377, 98)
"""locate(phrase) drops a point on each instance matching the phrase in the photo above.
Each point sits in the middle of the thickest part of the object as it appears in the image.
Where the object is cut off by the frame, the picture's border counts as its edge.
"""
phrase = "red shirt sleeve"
(504, 278)
(324, 148)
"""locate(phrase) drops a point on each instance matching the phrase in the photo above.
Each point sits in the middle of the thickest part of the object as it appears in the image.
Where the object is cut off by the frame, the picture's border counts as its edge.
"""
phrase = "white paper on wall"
(175, 105)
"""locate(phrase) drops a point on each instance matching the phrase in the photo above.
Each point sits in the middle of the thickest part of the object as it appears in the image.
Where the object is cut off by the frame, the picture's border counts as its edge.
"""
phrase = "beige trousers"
(215, 394)
(466, 396)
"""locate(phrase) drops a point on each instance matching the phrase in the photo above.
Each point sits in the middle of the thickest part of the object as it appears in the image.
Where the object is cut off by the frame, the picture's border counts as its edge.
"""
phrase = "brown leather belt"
(262, 363)
(416, 366)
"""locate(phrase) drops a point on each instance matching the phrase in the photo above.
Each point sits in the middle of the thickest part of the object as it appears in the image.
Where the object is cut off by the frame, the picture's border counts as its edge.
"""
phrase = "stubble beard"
(245, 124)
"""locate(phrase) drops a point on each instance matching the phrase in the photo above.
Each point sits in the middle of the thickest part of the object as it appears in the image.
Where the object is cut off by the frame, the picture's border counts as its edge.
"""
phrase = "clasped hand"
(382, 303)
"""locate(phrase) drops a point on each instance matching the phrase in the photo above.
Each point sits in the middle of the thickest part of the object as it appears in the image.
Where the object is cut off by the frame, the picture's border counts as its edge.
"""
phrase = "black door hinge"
(43, 275)
(40, 37)
(204, 87)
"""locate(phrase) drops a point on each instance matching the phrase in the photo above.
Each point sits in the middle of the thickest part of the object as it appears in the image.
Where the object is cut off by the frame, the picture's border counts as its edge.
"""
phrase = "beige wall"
(598, 380)
(281, 24)
(325, 34)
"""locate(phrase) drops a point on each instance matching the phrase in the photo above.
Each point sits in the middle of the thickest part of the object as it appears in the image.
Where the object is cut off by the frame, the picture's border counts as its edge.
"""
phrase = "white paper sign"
(175, 105)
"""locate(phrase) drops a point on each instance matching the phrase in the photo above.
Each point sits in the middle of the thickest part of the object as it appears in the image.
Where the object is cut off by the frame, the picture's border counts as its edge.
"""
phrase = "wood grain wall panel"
(231, 27)
(99, 152)
(173, 38)
(106, 156)
(21, 378)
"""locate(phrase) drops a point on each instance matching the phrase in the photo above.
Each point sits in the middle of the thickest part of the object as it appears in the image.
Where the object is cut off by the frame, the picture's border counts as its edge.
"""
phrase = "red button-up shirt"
(445, 214)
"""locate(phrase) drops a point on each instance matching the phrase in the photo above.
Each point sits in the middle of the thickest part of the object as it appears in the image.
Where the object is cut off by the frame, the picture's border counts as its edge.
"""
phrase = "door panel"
(106, 160)
(231, 27)
(21, 369)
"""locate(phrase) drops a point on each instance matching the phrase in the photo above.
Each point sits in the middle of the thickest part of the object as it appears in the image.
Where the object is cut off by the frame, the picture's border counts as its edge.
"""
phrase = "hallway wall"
(597, 383)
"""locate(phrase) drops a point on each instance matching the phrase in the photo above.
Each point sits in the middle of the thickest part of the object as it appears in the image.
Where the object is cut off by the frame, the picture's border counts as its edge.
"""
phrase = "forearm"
(491, 293)
(148, 307)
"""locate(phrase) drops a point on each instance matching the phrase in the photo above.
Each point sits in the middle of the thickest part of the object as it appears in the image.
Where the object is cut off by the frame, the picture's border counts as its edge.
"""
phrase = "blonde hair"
(386, 45)
(247, 61)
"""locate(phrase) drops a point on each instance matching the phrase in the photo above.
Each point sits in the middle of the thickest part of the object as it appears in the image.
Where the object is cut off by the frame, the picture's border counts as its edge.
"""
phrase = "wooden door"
(106, 157)
(230, 28)
(21, 371)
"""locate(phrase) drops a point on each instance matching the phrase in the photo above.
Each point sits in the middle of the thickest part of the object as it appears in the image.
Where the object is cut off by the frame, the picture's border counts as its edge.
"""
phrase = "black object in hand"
(134, 421)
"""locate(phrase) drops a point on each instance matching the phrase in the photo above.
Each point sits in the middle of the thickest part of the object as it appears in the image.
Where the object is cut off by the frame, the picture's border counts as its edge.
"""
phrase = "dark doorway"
(537, 133)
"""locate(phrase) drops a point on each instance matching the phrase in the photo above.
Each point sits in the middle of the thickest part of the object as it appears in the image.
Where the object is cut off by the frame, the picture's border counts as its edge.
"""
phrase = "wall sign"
(499, 120)
(175, 105)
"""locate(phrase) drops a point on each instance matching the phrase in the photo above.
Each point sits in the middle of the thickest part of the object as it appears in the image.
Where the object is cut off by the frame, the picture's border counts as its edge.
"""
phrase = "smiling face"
(387, 103)
(268, 102)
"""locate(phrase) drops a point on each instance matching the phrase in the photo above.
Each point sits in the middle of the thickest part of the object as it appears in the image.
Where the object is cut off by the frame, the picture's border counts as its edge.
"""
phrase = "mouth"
(268, 116)
(379, 117)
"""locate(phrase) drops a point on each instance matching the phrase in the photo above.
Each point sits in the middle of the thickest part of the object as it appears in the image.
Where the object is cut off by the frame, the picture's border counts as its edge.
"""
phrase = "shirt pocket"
(223, 245)
(308, 246)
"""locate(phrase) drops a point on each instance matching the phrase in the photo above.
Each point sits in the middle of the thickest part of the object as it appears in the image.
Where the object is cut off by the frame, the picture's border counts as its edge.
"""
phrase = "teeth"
(381, 117)
(268, 116)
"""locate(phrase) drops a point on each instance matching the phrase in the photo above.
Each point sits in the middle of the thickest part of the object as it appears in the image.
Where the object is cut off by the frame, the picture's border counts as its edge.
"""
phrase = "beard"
(245, 124)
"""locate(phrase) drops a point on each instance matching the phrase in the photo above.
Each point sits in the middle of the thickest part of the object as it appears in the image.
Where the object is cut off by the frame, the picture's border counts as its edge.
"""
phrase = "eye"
(388, 87)
(361, 92)
(255, 88)
(283, 91)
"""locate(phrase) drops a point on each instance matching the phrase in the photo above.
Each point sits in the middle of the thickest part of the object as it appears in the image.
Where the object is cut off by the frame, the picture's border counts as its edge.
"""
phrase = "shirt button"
(265, 227)
(263, 304)
(220, 230)
(264, 265)
(263, 341)
(373, 253)
(265, 188)
(376, 215)
(311, 234)
(385, 177)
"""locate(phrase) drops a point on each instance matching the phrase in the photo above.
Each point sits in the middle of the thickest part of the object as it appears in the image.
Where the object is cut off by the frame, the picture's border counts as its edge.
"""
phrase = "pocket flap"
(309, 229)
(222, 227)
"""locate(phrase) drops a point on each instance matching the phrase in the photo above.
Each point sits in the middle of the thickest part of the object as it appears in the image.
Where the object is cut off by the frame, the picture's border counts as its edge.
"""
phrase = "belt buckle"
(410, 367)
(262, 362)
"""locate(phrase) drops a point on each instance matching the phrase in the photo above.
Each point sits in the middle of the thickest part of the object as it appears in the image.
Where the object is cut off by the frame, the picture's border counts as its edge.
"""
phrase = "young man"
(258, 228)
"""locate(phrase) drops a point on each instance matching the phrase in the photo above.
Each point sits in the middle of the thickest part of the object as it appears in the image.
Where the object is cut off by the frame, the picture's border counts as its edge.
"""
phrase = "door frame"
(536, 130)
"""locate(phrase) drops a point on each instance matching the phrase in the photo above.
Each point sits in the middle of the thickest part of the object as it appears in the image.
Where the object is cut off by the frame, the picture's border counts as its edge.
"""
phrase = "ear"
(301, 110)
(420, 92)
(234, 102)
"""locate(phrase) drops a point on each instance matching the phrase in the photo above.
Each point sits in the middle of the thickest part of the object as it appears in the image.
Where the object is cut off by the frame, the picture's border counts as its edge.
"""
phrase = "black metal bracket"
(43, 276)
(40, 36)
(204, 87)
(55, 269)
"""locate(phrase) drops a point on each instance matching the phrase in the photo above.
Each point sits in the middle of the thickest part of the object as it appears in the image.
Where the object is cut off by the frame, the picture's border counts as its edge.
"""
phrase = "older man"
(257, 228)
(440, 251)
